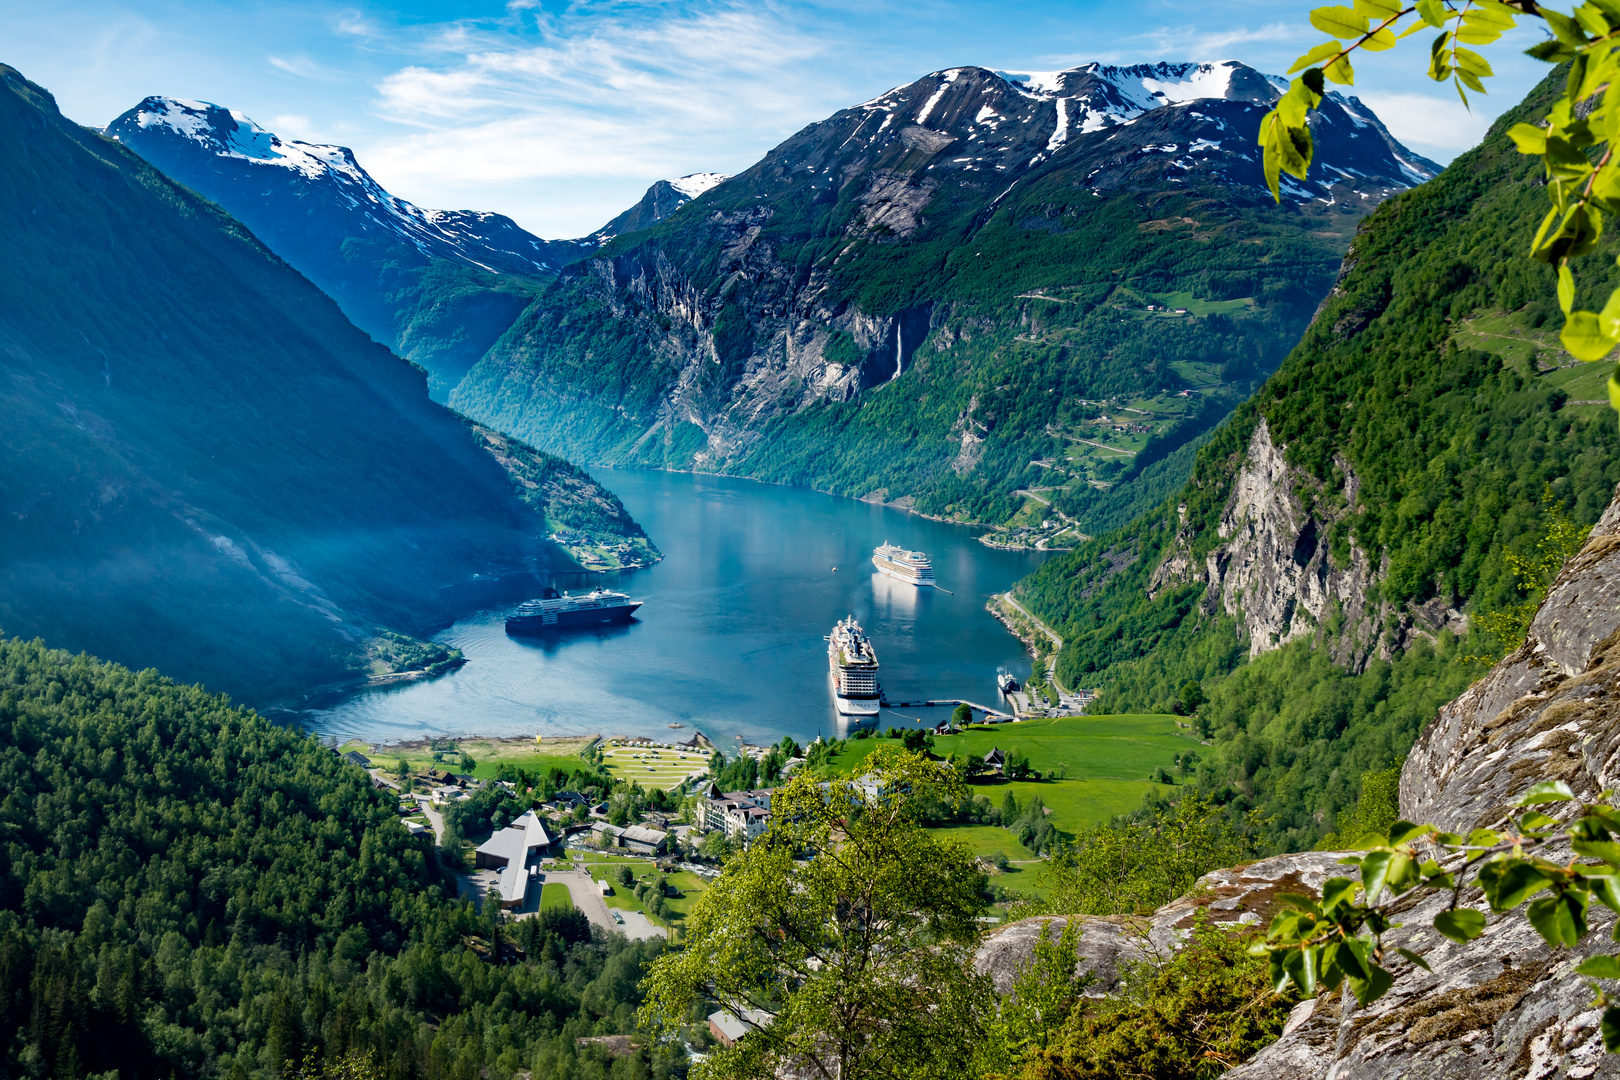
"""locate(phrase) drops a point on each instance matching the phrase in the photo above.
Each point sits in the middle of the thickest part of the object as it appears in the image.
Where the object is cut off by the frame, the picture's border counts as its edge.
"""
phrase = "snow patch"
(1202, 81)
(927, 109)
(694, 184)
(1061, 133)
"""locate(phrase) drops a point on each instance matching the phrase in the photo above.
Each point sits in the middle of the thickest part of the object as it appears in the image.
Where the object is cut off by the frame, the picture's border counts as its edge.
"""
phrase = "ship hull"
(564, 620)
(888, 570)
(853, 706)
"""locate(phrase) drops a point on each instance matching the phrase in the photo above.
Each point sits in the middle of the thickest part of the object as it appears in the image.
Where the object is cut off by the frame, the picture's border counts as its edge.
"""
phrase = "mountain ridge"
(206, 466)
(752, 327)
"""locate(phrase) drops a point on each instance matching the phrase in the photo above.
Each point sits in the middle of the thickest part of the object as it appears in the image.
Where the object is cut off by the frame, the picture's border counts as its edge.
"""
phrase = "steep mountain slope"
(1342, 532)
(1065, 277)
(662, 199)
(204, 465)
(437, 286)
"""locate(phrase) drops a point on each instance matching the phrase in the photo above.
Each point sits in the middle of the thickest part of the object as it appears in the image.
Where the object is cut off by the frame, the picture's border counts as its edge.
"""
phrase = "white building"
(510, 850)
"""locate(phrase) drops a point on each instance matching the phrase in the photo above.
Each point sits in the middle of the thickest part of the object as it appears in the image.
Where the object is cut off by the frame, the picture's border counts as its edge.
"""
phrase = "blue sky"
(561, 114)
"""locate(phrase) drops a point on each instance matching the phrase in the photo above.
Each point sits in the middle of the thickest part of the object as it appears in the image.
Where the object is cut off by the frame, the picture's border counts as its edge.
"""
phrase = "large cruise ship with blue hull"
(554, 611)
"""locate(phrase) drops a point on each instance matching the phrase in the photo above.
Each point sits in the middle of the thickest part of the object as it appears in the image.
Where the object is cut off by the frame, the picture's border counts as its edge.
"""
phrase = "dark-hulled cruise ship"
(554, 611)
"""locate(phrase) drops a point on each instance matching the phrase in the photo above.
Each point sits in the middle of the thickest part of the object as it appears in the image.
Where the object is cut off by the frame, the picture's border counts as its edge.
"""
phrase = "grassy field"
(653, 767)
(555, 895)
(605, 867)
(1096, 768)
(488, 754)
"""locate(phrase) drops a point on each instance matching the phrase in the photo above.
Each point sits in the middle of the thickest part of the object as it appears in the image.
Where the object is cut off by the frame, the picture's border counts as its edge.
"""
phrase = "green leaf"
(1300, 901)
(1463, 924)
(1564, 28)
(1566, 300)
(1560, 920)
(1552, 51)
(1415, 958)
(1550, 790)
(1374, 870)
(1402, 831)
(1611, 1029)
(1336, 890)
(1508, 882)
(1301, 967)
(1583, 336)
(1606, 850)
(1592, 21)
(1529, 138)
(1600, 967)
(1316, 56)
(1341, 22)
(1535, 820)
(1382, 10)
(1432, 13)
(1470, 61)
(1379, 40)
(1606, 889)
(1374, 986)
(1341, 72)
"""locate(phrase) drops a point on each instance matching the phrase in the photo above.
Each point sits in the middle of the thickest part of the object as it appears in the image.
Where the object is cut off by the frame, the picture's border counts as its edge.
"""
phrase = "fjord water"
(731, 637)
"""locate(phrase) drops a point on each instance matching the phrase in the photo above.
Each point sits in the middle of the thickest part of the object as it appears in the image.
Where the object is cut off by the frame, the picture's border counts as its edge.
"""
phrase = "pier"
(987, 710)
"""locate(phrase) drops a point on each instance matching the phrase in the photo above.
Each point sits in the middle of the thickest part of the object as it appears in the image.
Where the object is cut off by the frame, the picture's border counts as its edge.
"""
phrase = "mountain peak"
(694, 184)
(202, 143)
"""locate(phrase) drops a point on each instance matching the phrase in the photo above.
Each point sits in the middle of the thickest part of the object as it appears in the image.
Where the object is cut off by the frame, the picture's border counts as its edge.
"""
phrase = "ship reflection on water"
(898, 600)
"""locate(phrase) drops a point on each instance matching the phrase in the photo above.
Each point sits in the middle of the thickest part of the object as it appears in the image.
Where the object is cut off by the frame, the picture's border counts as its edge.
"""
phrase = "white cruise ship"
(853, 664)
(912, 567)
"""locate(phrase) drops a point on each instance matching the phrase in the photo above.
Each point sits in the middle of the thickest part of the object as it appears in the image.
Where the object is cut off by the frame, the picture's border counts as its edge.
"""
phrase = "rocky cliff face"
(1505, 1005)
(1278, 577)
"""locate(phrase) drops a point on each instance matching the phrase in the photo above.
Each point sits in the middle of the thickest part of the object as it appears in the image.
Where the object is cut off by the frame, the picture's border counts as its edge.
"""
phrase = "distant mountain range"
(1076, 272)
(205, 466)
(1066, 276)
(436, 286)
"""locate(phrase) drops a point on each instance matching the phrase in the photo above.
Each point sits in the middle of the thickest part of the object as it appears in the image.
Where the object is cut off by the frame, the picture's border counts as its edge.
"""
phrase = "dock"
(987, 710)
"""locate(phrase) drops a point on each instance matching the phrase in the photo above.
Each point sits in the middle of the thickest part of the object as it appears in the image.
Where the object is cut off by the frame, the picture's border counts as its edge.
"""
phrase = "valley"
(1292, 518)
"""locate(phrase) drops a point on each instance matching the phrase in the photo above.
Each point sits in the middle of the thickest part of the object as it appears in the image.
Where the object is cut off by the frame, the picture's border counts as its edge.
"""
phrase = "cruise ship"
(553, 610)
(912, 567)
(853, 663)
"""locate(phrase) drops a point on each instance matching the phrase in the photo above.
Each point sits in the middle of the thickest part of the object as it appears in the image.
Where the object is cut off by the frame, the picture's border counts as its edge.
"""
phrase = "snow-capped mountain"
(661, 200)
(436, 286)
(996, 241)
(231, 143)
(1146, 123)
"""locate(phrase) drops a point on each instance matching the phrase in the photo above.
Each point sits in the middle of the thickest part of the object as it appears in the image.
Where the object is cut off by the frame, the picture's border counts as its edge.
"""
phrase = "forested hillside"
(190, 891)
(1328, 576)
(204, 466)
(968, 286)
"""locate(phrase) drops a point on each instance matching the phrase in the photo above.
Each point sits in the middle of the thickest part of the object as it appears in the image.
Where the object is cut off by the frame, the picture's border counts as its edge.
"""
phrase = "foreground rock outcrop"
(1505, 1005)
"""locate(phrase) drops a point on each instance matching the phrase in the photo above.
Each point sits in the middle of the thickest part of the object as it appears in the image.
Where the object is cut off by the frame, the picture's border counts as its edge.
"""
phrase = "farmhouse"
(728, 1027)
(634, 838)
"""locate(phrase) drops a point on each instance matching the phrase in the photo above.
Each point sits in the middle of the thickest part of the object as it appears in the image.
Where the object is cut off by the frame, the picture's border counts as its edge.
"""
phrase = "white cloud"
(1437, 127)
(294, 126)
(612, 94)
(302, 66)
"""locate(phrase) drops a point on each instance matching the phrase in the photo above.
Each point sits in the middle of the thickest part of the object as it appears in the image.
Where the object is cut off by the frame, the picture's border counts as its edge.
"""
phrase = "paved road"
(435, 818)
(587, 898)
(1066, 699)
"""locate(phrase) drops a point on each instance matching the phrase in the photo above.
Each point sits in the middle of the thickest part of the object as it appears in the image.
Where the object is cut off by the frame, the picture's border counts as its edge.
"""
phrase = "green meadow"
(1093, 768)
